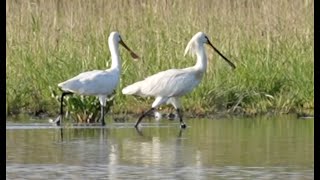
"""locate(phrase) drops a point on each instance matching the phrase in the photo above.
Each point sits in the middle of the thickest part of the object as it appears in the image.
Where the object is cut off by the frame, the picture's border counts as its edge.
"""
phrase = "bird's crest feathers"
(192, 44)
(190, 49)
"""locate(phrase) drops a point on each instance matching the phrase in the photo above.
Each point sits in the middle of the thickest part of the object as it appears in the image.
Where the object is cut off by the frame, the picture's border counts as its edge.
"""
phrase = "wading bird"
(100, 83)
(168, 86)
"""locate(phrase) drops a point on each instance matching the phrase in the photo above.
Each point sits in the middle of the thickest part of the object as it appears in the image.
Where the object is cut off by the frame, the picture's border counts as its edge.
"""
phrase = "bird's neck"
(201, 64)
(115, 56)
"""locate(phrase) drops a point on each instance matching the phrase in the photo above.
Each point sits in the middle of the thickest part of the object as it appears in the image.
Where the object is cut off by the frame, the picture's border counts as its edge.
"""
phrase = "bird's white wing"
(92, 83)
(173, 82)
(79, 76)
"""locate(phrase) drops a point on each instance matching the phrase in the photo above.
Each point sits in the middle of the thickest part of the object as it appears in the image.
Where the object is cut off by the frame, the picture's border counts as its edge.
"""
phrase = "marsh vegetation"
(270, 41)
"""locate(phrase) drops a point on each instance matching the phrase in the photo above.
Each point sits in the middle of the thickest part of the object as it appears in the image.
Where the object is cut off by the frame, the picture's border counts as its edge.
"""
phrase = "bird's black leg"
(102, 116)
(182, 124)
(142, 116)
(58, 121)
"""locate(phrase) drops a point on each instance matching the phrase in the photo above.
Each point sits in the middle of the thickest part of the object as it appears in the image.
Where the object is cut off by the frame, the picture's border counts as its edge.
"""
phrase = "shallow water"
(237, 148)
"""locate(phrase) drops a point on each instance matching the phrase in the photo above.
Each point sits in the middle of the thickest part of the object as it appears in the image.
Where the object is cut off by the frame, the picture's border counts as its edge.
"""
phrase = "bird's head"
(197, 41)
(115, 38)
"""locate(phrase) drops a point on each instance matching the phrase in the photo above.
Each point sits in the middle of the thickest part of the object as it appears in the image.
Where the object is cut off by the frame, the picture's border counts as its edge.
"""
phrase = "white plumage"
(168, 86)
(96, 82)
(172, 82)
(100, 83)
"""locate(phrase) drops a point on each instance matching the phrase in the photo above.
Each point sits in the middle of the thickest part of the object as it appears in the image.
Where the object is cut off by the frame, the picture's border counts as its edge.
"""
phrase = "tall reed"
(270, 41)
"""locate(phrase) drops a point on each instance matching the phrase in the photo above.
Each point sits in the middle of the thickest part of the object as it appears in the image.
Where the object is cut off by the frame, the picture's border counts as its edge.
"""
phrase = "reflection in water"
(220, 149)
(139, 131)
(61, 133)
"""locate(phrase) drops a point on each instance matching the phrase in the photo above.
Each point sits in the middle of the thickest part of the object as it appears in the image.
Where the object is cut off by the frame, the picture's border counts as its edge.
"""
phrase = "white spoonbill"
(168, 86)
(100, 83)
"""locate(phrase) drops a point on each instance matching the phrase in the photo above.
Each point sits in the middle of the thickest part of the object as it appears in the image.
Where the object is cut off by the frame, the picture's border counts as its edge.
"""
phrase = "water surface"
(236, 148)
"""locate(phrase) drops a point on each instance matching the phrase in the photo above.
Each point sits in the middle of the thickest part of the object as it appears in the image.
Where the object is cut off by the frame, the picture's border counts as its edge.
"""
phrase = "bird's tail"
(132, 89)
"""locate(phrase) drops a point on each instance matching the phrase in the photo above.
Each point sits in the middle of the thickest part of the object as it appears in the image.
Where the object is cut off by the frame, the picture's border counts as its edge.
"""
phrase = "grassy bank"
(270, 41)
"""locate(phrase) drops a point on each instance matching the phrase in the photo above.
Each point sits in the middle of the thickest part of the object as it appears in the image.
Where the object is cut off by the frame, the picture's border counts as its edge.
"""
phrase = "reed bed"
(270, 41)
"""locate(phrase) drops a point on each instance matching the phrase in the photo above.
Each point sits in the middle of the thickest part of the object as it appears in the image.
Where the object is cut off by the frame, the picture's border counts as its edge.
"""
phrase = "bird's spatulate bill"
(133, 55)
(226, 59)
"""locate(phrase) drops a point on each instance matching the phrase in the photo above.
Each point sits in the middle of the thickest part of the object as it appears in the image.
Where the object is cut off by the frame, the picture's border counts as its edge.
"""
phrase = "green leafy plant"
(82, 109)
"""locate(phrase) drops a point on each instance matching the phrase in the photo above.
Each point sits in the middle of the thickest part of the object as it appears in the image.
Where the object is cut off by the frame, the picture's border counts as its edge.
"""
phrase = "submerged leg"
(102, 100)
(157, 102)
(182, 124)
(58, 120)
(175, 101)
(142, 116)
(102, 116)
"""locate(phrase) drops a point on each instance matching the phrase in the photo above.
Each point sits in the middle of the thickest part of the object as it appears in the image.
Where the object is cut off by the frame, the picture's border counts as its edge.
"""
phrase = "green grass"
(270, 41)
